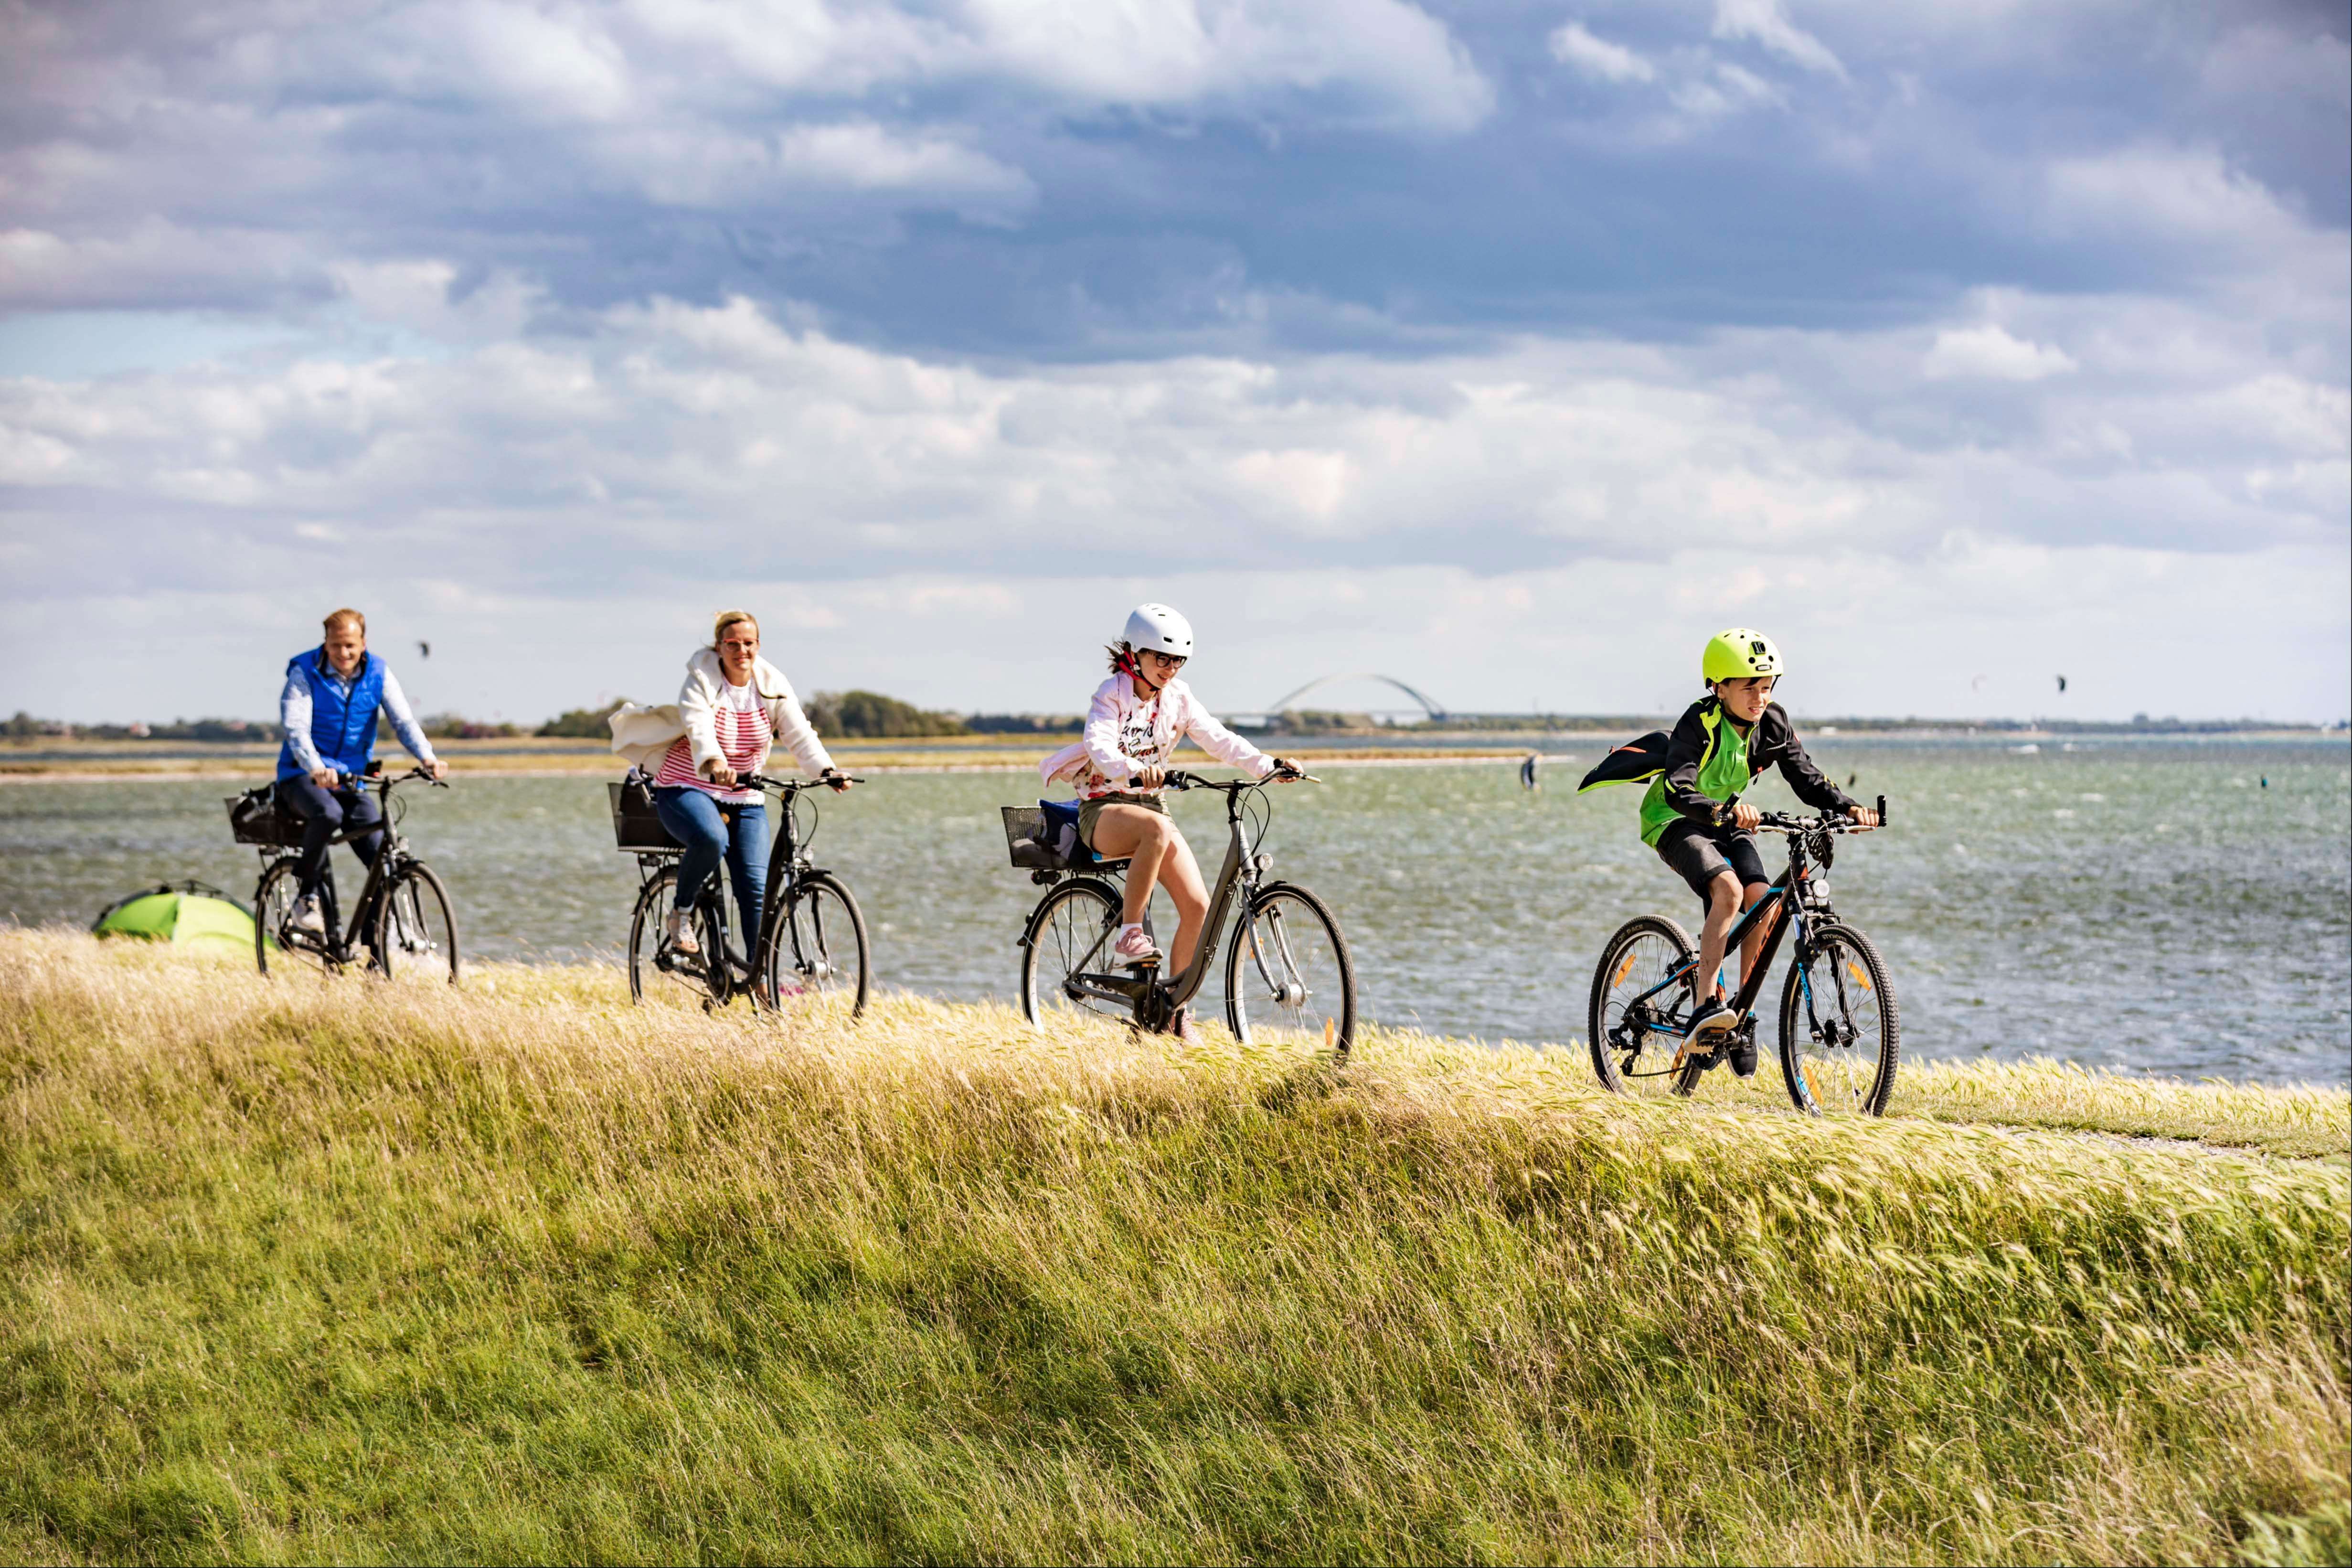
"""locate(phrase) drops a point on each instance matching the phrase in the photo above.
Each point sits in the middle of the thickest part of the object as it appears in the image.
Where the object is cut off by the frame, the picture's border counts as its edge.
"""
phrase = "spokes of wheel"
(817, 953)
(278, 946)
(1635, 1015)
(658, 977)
(1070, 935)
(1841, 1032)
(416, 929)
(1289, 980)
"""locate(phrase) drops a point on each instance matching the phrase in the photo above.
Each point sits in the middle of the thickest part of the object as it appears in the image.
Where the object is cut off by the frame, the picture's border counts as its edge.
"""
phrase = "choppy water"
(2128, 903)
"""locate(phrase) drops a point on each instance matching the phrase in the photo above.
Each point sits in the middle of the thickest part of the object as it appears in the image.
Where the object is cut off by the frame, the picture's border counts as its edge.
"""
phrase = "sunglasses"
(1173, 660)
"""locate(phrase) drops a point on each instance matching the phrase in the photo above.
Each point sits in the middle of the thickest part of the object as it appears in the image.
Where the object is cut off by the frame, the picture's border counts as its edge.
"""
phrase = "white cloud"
(150, 261)
(1988, 352)
(1767, 23)
(710, 168)
(1724, 89)
(1573, 44)
(770, 443)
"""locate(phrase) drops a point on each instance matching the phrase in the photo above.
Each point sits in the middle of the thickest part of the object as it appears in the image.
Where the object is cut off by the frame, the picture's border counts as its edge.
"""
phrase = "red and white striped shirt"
(741, 722)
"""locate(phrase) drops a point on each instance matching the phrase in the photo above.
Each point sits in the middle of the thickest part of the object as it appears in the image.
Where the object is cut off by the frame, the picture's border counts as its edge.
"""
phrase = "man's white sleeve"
(403, 723)
(294, 718)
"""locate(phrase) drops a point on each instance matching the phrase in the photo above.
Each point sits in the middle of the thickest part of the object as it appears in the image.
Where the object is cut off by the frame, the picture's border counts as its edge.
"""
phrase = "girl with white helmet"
(1134, 724)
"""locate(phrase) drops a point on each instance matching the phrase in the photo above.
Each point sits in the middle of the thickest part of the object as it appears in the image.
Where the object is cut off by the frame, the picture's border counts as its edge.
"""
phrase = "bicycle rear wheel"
(1289, 979)
(1840, 1033)
(416, 928)
(1070, 932)
(664, 979)
(1635, 1019)
(817, 948)
(277, 946)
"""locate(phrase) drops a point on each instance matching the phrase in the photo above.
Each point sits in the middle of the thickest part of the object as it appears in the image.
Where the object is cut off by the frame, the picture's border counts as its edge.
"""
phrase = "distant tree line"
(1023, 724)
(23, 727)
(870, 715)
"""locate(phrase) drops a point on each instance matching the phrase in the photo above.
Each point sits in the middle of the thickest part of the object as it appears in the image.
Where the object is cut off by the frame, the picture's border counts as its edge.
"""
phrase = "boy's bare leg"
(1722, 906)
(1751, 946)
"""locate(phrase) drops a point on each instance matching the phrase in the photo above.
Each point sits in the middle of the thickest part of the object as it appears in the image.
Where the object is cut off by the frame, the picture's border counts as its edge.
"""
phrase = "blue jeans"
(324, 816)
(711, 828)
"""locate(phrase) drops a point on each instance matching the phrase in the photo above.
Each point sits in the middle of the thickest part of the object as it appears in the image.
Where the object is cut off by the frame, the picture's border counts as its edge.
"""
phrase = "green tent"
(187, 913)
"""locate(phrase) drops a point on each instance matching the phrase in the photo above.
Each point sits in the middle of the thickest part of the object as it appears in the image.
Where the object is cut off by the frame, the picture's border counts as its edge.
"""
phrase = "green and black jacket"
(1699, 770)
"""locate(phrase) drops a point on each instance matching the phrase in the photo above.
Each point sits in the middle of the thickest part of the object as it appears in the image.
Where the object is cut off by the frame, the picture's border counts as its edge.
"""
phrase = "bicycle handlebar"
(382, 781)
(1789, 822)
(793, 786)
(1178, 780)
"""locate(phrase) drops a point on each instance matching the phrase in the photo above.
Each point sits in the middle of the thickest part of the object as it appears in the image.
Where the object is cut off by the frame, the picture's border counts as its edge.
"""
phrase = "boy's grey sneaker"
(306, 917)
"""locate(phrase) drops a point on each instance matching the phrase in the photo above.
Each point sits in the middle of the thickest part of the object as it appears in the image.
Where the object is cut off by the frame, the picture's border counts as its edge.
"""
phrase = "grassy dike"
(342, 1271)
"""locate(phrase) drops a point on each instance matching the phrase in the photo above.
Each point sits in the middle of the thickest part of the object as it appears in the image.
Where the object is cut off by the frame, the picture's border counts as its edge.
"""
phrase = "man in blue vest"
(328, 711)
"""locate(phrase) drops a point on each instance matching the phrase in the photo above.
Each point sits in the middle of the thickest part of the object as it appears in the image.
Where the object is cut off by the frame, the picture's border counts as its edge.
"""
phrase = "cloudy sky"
(1506, 346)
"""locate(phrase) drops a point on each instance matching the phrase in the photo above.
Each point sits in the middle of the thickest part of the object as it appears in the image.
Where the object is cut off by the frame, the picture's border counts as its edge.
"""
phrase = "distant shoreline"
(55, 761)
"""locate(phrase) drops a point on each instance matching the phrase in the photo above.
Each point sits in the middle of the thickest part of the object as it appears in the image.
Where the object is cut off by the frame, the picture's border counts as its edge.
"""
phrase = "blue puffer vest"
(342, 725)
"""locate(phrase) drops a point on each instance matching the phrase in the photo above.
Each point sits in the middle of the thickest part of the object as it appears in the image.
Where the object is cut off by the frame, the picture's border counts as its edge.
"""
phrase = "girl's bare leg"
(1156, 853)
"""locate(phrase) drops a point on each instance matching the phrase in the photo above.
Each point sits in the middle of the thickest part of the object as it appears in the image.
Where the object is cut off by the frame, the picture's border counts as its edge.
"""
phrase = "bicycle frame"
(389, 860)
(784, 852)
(1780, 896)
(1239, 874)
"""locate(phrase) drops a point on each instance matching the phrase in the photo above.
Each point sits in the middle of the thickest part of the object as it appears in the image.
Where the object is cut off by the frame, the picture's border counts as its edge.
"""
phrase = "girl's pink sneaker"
(1134, 946)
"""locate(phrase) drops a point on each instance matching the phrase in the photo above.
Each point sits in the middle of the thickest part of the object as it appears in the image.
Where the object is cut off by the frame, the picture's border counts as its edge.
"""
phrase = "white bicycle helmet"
(1158, 627)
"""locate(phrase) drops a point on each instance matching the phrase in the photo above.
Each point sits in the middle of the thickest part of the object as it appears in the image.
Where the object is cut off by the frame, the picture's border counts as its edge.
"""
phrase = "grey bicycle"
(1288, 976)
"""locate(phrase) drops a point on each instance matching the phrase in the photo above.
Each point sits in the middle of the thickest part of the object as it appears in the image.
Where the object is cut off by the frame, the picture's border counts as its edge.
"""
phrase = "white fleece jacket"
(1127, 733)
(643, 734)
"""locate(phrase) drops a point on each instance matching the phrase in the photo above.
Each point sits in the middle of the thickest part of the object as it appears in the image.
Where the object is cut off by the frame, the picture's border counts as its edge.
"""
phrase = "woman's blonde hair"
(727, 618)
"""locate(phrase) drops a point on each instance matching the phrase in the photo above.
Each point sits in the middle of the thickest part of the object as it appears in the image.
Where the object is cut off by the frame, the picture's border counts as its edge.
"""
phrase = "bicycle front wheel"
(817, 948)
(277, 947)
(661, 978)
(416, 928)
(1839, 1031)
(1288, 976)
(1070, 933)
(1638, 1014)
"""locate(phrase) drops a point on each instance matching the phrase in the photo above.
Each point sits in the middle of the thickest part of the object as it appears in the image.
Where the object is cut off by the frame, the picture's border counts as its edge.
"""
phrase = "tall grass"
(334, 1270)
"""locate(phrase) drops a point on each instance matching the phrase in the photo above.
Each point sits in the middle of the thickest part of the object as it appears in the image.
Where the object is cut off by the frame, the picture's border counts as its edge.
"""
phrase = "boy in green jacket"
(1694, 818)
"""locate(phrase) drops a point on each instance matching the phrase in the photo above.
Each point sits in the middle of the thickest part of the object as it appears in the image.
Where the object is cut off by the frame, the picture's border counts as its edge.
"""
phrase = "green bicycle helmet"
(1739, 652)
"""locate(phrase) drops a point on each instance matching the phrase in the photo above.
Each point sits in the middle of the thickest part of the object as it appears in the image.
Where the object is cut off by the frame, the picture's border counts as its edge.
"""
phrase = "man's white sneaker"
(306, 917)
(677, 933)
(1135, 946)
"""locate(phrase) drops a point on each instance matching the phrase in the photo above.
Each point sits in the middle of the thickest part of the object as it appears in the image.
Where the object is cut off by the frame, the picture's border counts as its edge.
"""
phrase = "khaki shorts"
(1090, 812)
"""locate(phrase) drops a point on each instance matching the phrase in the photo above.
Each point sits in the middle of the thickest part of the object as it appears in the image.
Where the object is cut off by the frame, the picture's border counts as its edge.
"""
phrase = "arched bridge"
(1424, 703)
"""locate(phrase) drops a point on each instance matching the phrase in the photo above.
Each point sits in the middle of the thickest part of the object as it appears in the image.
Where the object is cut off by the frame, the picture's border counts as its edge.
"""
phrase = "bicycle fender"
(1029, 928)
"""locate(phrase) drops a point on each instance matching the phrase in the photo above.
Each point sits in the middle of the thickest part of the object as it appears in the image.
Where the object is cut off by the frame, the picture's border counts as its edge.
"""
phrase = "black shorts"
(1699, 854)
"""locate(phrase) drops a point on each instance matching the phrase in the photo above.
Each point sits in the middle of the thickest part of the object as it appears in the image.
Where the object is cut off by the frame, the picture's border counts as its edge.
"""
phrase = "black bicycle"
(812, 939)
(1289, 977)
(403, 927)
(1839, 1028)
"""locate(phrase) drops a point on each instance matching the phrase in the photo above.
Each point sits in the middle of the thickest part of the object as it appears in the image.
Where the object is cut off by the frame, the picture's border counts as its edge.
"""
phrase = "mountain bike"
(402, 925)
(1840, 1028)
(812, 939)
(1288, 976)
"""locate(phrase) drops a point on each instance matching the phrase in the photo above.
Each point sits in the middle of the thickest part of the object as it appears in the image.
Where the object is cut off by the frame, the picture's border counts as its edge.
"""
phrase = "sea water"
(2165, 906)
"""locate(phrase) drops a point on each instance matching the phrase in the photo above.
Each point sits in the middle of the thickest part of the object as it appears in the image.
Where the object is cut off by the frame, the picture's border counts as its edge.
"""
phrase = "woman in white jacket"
(1135, 722)
(734, 706)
